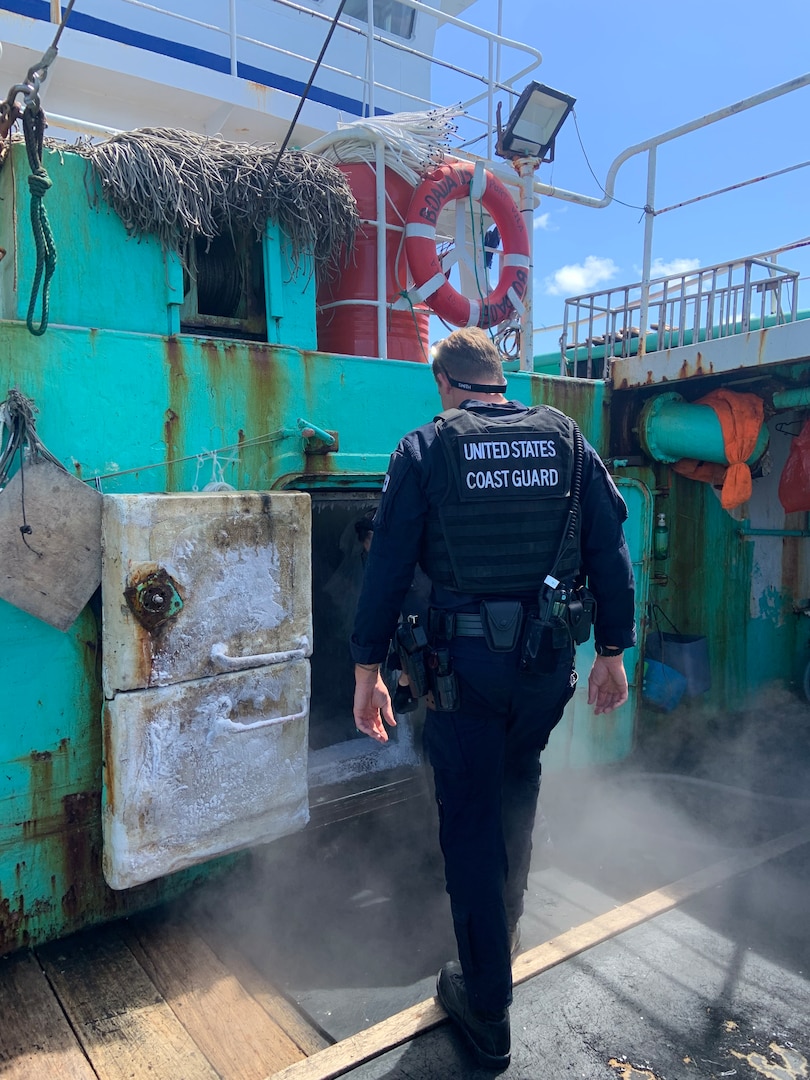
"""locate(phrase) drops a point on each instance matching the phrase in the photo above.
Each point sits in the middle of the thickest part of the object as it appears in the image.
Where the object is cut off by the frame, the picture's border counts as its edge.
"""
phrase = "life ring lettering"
(436, 197)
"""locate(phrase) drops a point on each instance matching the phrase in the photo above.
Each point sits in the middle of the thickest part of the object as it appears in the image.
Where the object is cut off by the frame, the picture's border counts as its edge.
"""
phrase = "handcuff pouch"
(502, 622)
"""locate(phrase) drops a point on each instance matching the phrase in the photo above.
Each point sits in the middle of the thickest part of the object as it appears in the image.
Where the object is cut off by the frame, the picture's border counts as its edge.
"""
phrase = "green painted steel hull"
(50, 785)
(122, 396)
(118, 401)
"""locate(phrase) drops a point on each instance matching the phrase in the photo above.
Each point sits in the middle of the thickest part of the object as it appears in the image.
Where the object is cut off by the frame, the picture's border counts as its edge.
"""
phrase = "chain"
(10, 111)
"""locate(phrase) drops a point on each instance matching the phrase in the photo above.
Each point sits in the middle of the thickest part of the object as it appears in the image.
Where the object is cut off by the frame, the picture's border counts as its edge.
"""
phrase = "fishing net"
(178, 185)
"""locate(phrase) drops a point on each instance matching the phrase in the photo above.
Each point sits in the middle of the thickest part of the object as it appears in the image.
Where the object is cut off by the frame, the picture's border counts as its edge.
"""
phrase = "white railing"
(683, 309)
(650, 148)
(478, 82)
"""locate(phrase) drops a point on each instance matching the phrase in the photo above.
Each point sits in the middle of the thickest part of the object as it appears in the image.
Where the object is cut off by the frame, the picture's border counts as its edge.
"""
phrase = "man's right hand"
(372, 703)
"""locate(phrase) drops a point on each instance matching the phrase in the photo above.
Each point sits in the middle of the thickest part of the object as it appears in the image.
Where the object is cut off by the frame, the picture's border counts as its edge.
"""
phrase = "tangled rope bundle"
(178, 184)
(17, 414)
(414, 142)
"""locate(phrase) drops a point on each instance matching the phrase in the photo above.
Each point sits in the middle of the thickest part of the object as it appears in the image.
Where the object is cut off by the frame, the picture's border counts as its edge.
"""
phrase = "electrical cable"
(308, 87)
(631, 206)
(17, 414)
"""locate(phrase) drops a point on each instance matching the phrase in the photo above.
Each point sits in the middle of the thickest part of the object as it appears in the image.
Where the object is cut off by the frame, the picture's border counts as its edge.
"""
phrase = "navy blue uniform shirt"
(399, 524)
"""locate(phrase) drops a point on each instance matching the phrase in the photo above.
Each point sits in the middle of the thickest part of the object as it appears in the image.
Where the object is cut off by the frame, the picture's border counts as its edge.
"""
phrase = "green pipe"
(310, 431)
(792, 399)
(670, 429)
(744, 529)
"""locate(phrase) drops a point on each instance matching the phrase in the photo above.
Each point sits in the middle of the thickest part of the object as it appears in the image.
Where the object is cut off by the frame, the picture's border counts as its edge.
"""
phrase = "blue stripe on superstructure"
(89, 24)
(296, 87)
(34, 9)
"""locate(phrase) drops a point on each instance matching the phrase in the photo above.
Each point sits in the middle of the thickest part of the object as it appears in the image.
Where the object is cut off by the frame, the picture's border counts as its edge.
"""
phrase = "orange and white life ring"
(458, 181)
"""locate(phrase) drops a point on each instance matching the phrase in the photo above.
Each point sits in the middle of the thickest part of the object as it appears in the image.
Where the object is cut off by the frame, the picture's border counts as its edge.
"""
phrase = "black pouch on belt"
(581, 614)
(502, 622)
(540, 646)
(443, 681)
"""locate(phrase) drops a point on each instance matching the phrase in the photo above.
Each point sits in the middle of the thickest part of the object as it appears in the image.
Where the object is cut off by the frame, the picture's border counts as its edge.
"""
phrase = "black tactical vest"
(498, 528)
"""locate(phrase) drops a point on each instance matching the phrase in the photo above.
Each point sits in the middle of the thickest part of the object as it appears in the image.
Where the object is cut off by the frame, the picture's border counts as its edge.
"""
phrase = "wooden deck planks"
(286, 1015)
(236, 1034)
(148, 997)
(36, 1041)
(125, 1027)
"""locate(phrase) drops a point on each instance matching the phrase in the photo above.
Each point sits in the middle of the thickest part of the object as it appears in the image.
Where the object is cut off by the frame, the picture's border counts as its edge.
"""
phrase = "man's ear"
(441, 382)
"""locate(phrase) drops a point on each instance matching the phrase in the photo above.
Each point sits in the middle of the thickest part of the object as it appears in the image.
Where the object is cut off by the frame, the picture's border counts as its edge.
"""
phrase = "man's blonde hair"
(470, 356)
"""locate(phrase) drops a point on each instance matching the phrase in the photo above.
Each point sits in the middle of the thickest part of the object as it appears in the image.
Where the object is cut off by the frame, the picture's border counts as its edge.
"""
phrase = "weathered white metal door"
(206, 638)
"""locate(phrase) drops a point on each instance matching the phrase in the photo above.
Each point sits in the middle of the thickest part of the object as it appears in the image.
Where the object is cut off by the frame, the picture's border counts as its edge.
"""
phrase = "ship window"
(389, 15)
(224, 289)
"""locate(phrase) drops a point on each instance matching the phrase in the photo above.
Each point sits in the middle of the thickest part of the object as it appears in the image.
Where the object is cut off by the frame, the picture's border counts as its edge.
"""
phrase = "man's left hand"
(607, 684)
(372, 703)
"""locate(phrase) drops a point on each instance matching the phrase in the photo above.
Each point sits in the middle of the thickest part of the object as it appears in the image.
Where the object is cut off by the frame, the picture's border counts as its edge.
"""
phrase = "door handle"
(223, 661)
(224, 724)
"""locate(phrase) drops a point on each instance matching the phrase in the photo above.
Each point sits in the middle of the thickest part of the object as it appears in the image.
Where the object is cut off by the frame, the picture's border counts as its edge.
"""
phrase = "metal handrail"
(374, 37)
(487, 84)
(650, 147)
(702, 304)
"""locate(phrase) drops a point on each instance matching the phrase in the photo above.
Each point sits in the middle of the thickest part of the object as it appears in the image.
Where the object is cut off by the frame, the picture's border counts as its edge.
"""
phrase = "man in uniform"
(481, 499)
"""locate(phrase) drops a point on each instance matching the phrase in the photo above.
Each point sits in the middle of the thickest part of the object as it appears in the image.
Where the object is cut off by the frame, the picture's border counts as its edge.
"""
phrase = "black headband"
(477, 388)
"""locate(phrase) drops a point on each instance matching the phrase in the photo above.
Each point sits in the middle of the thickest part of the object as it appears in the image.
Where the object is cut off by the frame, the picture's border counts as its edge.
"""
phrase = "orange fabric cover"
(794, 483)
(741, 417)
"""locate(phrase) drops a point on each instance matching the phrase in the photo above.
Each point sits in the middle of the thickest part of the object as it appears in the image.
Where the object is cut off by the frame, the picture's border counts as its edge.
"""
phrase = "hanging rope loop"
(39, 183)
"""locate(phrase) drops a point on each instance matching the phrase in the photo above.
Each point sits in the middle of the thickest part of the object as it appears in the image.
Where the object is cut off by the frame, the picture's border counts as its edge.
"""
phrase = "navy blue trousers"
(486, 767)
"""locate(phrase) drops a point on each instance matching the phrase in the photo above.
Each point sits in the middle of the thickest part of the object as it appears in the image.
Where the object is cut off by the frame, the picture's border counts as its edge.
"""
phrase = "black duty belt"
(449, 624)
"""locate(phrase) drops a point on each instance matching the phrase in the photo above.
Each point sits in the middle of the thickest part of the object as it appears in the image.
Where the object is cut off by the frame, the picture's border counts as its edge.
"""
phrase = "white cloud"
(542, 221)
(660, 268)
(581, 278)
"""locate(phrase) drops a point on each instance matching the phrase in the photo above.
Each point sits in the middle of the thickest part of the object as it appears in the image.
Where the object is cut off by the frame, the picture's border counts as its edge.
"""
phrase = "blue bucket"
(663, 686)
(687, 654)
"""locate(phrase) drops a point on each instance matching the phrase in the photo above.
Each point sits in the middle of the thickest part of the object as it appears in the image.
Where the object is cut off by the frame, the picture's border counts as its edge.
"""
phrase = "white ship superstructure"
(237, 68)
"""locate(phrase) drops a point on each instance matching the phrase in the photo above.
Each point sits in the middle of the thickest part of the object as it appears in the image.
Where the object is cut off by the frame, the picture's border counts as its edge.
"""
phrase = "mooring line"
(350, 1053)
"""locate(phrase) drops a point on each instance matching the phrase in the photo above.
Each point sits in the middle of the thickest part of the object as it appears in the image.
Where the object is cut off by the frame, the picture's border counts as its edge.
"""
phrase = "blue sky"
(638, 69)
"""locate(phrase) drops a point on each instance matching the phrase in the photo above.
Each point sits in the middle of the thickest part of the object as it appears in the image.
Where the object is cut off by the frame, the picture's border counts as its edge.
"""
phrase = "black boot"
(488, 1038)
